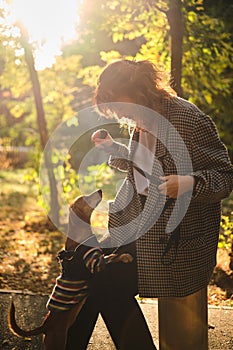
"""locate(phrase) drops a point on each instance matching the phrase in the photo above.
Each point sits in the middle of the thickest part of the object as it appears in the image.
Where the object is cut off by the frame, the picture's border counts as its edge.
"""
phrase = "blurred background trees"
(113, 29)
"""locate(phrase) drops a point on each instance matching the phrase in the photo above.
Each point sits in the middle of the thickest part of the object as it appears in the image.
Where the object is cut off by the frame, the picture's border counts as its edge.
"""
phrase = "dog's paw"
(125, 258)
(114, 258)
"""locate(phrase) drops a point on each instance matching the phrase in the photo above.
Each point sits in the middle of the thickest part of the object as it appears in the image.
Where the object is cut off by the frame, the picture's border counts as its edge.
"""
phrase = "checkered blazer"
(186, 267)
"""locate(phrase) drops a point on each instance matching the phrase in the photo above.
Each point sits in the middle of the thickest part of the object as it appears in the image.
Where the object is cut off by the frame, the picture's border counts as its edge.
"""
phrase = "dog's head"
(79, 227)
(83, 206)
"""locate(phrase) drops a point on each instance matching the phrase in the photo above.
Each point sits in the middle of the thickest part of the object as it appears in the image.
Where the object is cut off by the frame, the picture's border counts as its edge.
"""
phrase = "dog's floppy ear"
(75, 202)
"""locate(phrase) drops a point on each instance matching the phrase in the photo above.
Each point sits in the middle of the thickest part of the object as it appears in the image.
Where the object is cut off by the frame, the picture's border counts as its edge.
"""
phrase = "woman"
(178, 171)
(211, 180)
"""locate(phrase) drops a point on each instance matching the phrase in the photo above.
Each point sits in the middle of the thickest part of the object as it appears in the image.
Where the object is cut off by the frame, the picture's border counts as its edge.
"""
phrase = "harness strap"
(175, 235)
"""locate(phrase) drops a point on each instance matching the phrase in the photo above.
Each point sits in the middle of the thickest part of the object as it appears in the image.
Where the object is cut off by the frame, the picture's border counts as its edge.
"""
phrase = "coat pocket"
(193, 243)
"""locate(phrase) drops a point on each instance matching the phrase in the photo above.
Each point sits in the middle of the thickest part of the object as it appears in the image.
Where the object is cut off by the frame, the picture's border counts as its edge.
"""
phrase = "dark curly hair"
(139, 80)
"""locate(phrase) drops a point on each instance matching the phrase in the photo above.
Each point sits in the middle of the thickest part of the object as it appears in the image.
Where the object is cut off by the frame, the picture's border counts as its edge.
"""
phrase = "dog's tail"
(17, 330)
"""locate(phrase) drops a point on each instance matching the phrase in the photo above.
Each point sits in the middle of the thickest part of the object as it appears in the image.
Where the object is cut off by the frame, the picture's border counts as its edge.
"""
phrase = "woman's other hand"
(176, 185)
(102, 139)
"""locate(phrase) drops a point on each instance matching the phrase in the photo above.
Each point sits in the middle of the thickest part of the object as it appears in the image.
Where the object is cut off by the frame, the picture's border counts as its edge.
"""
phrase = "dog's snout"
(93, 199)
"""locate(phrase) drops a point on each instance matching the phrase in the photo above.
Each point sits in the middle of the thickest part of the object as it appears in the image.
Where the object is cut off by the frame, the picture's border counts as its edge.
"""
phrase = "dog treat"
(103, 133)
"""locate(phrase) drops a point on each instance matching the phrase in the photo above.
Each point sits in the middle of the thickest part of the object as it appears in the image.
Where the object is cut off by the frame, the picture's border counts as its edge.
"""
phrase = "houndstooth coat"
(187, 265)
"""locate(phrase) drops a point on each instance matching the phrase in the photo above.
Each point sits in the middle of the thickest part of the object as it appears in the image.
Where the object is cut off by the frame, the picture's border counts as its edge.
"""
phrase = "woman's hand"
(102, 139)
(176, 185)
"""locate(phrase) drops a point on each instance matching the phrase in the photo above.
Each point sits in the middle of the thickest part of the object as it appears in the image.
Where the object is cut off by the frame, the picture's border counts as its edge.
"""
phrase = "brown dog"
(79, 262)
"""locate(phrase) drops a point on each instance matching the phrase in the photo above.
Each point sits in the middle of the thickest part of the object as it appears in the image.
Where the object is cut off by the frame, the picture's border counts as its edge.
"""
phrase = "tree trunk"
(175, 20)
(54, 203)
(231, 256)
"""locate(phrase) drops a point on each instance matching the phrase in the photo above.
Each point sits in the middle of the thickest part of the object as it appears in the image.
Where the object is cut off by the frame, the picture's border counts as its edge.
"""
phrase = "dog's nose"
(100, 193)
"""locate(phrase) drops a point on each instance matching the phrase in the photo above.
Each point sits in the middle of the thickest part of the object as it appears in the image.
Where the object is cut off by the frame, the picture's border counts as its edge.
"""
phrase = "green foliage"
(102, 177)
(226, 232)
(226, 227)
(89, 75)
(109, 30)
(59, 86)
(207, 58)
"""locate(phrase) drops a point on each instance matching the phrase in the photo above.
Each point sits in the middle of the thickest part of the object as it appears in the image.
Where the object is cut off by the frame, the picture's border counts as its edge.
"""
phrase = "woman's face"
(127, 108)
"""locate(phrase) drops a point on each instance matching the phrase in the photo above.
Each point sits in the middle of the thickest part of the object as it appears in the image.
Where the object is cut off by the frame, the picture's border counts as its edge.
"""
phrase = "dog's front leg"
(56, 340)
(57, 330)
(115, 258)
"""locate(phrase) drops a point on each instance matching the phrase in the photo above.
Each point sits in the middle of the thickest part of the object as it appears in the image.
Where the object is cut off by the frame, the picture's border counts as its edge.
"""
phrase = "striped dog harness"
(67, 291)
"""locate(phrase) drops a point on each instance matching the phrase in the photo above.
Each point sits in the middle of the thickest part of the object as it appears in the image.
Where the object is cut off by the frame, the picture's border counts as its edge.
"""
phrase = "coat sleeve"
(212, 169)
